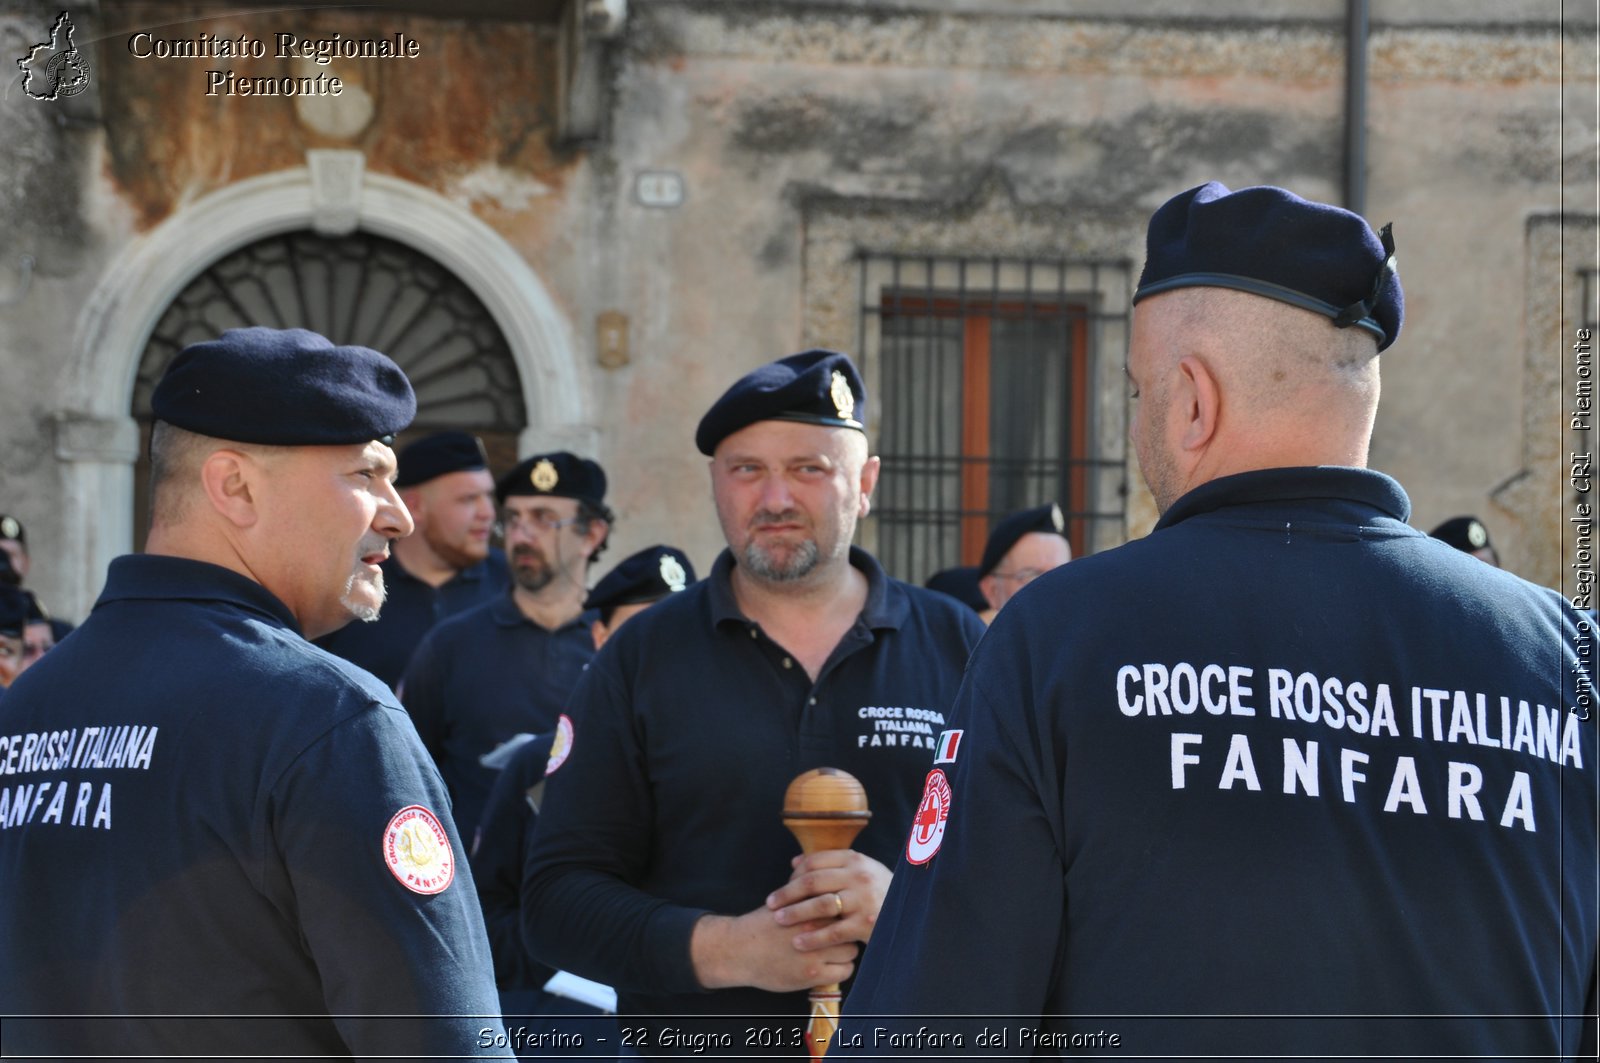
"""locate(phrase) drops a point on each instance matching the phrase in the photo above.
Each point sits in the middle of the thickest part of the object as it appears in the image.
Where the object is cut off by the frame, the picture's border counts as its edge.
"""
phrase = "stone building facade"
(575, 221)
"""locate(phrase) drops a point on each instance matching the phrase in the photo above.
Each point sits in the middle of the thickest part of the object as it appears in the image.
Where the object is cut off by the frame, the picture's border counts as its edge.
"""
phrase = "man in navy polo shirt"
(217, 839)
(633, 586)
(444, 567)
(505, 667)
(660, 864)
(1284, 779)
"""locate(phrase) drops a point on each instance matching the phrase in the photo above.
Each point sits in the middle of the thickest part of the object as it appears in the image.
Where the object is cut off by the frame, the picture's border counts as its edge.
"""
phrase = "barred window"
(999, 387)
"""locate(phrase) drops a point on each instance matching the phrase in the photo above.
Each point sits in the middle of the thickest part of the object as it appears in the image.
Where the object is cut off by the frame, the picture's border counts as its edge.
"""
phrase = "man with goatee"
(219, 839)
(660, 864)
(445, 567)
(505, 668)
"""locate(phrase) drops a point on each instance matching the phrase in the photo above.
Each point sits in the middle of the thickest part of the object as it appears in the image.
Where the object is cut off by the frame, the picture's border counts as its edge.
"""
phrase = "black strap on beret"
(1360, 312)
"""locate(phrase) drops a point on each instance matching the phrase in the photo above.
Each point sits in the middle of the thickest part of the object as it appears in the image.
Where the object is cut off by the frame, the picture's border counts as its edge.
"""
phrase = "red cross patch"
(927, 828)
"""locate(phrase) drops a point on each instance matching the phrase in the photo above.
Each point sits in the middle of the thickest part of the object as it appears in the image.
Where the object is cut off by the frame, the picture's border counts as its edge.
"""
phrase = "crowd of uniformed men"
(327, 763)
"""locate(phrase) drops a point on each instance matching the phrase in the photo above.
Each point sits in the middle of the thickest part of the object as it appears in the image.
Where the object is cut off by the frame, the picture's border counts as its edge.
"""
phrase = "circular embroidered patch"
(561, 746)
(927, 828)
(417, 850)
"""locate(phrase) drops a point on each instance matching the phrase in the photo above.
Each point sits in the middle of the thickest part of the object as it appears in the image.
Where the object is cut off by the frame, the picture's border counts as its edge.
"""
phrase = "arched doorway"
(97, 436)
(355, 289)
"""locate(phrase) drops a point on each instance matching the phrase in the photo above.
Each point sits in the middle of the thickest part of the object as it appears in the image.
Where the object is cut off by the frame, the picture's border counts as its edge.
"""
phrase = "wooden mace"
(824, 808)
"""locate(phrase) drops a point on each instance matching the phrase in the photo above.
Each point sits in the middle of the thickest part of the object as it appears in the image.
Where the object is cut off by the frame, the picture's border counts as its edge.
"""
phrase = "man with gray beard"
(216, 836)
(660, 864)
(505, 668)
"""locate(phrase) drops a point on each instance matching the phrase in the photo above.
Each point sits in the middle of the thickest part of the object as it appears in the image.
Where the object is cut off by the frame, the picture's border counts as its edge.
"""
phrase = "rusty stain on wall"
(477, 94)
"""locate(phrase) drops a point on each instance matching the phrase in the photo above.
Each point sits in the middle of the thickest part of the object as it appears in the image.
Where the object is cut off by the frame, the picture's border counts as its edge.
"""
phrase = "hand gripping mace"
(824, 808)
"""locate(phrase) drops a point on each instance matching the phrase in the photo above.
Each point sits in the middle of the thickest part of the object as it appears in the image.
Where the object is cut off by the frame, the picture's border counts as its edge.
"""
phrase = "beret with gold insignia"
(1048, 519)
(558, 473)
(647, 576)
(814, 387)
(1463, 533)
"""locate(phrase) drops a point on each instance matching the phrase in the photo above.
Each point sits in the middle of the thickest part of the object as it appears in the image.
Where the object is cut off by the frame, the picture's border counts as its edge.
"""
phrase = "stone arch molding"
(97, 441)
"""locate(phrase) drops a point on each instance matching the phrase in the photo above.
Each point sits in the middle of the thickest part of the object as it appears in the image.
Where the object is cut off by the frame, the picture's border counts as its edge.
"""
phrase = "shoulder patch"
(945, 748)
(927, 827)
(417, 849)
(561, 746)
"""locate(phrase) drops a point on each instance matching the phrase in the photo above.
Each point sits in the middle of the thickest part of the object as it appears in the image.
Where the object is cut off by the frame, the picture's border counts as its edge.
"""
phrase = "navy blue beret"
(814, 387)
(557, 473)
(1463, 533)
(647, 576)
(37, 613)
(961, 584)
(1048, 519)
(11, 528)
(438, 455)
(13, 610)
(1270, 242)
(284, 387)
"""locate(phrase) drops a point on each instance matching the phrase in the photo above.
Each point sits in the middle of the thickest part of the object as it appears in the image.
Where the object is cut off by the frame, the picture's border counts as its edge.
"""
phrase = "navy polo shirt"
(411, 608)
(483, 677)
(688, 727)
(203, 814)
(1284, 778)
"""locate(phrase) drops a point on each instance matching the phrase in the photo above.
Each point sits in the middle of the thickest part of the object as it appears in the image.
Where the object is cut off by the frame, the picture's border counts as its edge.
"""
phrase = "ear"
(414, 503)
(986, 585)
(231, 481)
(1197, 402)
(869, 480)
(598, 530)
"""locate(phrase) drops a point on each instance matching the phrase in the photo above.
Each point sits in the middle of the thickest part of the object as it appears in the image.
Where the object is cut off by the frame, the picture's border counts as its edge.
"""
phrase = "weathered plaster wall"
(1088, 124)
(50, 216)
(805, 131)
(471, 118)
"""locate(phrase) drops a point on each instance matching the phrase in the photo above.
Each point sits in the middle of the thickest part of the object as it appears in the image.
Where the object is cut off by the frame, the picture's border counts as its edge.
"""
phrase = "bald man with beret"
(219, 839)
(1286, 778)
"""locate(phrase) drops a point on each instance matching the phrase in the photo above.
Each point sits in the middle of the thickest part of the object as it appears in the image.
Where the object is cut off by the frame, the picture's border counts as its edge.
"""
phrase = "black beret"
(1463, 533)
(437, 455)
(37, 613)
(1046, 519)
(558, 473)
(814, 387)
(647, 576)
(284, 387)
(11, 528)
(13, 610)
(961, 584)
(1270, 242)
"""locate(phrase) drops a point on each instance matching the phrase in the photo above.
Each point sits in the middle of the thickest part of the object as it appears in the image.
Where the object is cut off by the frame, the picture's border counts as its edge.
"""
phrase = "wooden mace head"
(825, 808)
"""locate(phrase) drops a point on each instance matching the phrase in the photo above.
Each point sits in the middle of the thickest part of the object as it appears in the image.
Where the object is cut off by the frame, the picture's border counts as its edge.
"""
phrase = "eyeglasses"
(1021, 576)
(538, 520)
